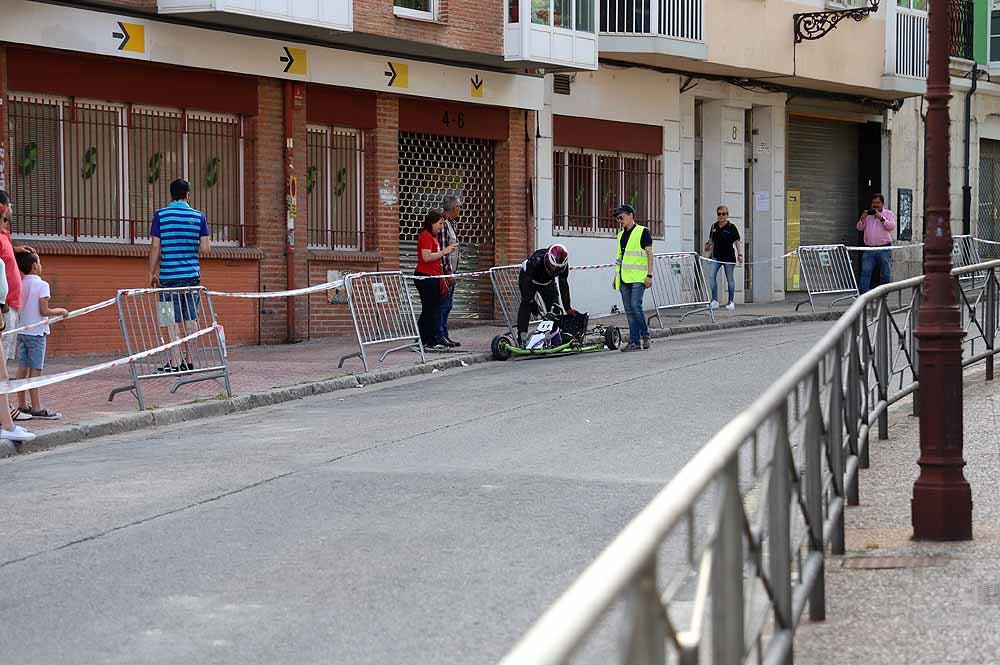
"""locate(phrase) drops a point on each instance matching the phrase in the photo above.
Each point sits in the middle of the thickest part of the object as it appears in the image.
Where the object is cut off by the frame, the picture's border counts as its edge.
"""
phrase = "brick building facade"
(92, 137)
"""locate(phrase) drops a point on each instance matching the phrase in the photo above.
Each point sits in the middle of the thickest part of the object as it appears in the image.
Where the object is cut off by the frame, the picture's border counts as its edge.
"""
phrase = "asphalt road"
(428, 521)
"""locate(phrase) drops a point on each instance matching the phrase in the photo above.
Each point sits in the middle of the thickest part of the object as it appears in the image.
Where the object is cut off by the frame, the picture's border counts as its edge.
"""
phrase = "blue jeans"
(868, 261)
(714, 271)
(446, 304)
(632, 299)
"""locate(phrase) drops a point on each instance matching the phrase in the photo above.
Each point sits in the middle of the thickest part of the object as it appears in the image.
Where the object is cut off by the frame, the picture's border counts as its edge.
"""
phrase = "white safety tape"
(986, 242)
(72, 315)
(19, 385)
(325, 286)
(886, 247)
(750, 263)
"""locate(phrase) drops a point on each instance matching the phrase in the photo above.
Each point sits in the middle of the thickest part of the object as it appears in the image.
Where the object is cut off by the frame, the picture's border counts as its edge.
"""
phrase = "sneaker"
(18, 414)
(45, 414)
(439, 346)
(731, 306)
(186, 366)
(452, 343)
(167, 369)
(714, 304)
(631, 347)
(645, 343)
(18, 434)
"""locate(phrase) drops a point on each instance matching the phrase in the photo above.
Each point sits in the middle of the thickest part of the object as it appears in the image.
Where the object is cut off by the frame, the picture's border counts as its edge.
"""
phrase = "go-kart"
(558, 333)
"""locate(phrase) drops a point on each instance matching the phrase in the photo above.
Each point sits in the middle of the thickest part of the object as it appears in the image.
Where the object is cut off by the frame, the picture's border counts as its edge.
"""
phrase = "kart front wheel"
(612, 338)
(501, 347)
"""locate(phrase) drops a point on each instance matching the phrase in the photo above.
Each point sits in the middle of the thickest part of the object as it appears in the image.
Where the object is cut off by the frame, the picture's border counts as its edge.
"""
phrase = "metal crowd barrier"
(827, 271)
(508, 294)
(151, 318)
(679, 281)
(964, 252)
(722, 564)
(382, 310)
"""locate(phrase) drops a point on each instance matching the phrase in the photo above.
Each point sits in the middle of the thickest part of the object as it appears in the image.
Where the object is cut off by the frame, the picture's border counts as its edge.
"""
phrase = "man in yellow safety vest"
(633, 274)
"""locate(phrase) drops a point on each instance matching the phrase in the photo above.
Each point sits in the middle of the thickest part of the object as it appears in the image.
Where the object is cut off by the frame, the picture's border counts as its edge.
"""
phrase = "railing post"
(645, 627)
(835, 441)
(882, 367)
(991, 321)
(853, 410)
(915, 348)
(813, 442)
(779, 500)
(866, 393)
(727, 572)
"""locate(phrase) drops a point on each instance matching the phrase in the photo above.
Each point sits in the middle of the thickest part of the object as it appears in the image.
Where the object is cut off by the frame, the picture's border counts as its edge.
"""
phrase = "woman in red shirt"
(429, 255)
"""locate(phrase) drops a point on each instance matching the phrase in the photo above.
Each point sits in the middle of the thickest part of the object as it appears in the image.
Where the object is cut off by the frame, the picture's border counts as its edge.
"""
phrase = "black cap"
(625, 209)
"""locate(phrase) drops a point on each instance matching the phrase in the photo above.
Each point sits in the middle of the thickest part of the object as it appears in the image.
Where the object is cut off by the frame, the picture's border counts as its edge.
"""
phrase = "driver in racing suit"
(538, 275)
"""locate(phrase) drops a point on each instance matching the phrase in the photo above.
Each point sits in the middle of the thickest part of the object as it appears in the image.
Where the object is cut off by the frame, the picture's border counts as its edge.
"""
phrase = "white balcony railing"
(558, 33)
(332, 14)
(677, 19)
(911, 43)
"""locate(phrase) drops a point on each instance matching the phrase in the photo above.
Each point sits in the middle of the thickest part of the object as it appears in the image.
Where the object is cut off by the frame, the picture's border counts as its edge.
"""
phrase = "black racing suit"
(536, 278)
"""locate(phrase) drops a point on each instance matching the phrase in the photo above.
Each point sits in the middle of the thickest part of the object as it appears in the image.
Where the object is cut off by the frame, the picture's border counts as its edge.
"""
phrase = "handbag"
(450, 281)
(443, 288)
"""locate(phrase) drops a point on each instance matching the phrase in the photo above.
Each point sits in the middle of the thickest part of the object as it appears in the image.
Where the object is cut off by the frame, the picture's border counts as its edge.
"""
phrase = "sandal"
(46, 414)
(18, 414)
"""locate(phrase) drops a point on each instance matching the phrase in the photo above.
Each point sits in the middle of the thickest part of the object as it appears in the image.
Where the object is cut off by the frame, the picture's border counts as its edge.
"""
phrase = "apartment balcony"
(663, 27)
(302, 18)
(907, 39)
(553, 34)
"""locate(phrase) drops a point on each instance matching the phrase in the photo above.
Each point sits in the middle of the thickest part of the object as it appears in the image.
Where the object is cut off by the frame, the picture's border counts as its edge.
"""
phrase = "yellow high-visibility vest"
(632, 264)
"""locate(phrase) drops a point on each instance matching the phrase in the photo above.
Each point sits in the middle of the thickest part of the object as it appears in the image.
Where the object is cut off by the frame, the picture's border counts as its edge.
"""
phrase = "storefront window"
(540, 13)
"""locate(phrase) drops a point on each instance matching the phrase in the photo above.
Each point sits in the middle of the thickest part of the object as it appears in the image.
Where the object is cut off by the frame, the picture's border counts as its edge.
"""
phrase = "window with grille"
(98, 171)
(589, 184)
(334, 188)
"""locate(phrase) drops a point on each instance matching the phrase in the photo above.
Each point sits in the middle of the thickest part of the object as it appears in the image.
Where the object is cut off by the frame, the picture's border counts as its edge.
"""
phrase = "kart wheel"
(612, 338)
(501, 347)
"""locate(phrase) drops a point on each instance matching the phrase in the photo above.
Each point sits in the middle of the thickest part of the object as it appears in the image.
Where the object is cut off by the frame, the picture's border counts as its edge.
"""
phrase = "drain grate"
(887, 562)
(989, 594)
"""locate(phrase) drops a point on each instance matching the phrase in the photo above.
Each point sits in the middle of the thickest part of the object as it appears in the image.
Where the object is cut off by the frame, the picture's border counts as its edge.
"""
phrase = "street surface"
(425, 521)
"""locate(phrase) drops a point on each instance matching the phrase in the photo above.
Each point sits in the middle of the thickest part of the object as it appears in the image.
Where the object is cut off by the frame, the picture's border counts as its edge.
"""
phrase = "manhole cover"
(884, 562)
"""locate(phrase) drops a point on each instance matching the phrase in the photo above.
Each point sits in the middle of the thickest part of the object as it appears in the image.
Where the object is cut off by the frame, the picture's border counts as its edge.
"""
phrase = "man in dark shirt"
(538, 275)
(726, 252)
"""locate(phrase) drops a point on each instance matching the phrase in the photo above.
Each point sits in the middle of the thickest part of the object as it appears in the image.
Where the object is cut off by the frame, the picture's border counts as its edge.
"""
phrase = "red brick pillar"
(386, 177)
(514, 219)
(270, 211)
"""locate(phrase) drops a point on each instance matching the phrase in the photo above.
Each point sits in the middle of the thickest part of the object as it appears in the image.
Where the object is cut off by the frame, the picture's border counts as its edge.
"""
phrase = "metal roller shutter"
(431, 167)
(823, 166)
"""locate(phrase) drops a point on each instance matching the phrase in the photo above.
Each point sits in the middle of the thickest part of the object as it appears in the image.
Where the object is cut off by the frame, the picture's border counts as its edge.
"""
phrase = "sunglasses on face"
(722, 214)
(620, 218)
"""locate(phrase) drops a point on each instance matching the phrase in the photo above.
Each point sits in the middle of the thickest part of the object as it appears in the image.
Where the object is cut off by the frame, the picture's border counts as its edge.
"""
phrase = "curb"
(241, 403)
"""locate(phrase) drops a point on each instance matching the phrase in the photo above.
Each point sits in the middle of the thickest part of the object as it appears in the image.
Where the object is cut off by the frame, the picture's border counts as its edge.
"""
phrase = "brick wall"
(468, 25)
(386, 152)
(78, 281)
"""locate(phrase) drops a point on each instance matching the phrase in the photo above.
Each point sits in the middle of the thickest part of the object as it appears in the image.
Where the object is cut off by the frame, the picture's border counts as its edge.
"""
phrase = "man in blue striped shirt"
(178, 234)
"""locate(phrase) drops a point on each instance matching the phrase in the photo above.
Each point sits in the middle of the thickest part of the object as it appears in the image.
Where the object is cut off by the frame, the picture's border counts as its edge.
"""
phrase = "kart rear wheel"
(501, 347)
(612, 337)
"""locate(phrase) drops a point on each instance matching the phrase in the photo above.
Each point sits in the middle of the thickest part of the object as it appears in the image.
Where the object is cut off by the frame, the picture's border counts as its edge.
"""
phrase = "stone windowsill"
(69, 248)
(344, 256)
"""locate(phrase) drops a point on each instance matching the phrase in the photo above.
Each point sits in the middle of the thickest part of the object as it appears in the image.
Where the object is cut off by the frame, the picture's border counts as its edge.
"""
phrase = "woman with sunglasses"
(724, 248)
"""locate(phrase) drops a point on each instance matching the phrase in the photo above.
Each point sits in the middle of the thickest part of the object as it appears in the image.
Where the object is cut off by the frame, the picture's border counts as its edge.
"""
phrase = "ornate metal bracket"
(815, 25)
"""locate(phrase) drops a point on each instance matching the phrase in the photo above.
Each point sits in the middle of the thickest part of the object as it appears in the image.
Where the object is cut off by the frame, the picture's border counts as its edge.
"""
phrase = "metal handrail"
(808, 475)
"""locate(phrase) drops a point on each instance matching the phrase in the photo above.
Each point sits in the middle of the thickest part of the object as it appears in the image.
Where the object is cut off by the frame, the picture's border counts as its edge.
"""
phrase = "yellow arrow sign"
(132, 37)
(399, 75)
(477, 86)
(295, 61)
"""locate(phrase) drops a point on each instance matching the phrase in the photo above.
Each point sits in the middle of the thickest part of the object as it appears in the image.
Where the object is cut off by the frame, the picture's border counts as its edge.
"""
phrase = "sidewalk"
(891, 600)
(258, 369)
